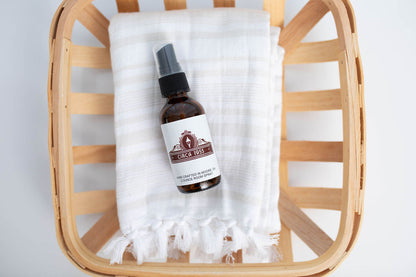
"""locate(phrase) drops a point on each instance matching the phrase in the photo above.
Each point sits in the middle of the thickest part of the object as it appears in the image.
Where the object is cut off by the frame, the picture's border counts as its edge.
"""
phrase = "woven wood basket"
(81, 251)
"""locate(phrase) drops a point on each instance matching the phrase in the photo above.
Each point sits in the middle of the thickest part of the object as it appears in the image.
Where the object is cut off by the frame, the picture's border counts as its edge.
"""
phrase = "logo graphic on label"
(190, 148)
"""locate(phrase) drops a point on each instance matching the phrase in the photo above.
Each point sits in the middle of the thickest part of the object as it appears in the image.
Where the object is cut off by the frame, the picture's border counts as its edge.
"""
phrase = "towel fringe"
(209, 238)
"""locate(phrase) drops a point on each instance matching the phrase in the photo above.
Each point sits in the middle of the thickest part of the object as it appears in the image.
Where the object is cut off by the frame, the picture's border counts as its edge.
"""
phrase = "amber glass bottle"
(185, 128)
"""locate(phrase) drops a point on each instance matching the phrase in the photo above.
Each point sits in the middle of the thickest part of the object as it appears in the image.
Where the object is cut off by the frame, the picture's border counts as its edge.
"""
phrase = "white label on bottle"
(190, 150)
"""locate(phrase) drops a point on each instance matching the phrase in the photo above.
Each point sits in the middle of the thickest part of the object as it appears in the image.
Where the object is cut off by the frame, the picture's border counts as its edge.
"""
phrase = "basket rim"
(85, 260)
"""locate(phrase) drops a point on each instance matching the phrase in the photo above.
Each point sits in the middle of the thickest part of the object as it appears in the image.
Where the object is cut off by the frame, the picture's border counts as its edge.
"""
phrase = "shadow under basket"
(348, 98)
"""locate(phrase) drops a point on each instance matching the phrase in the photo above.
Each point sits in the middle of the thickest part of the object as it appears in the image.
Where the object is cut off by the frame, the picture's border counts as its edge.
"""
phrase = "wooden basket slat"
(96, 23)
(314, 52)
(316, 197)
(99, 201)
(103, 103)
(303, 226)
(313, 101)
(92, 103)
(351, 129)
(91, 57)
(185, 258)
(277, 15)
(124, 6)
(237, 256)
(276, 10)
(308, 52)
(175, 4)
(99, 234)
(301, 24)
(91, 202)
(311, 151)
(224, 3)
(285, 244)
(320, 151)
(351, 162)
(91, 154)
(63, 155)
(128, 257)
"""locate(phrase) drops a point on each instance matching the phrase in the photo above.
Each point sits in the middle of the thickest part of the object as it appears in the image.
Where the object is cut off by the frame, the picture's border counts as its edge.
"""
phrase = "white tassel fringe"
(209, 236)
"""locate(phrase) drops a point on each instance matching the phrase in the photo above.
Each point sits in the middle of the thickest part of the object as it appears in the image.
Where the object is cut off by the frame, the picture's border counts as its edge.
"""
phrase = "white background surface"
(387, 37)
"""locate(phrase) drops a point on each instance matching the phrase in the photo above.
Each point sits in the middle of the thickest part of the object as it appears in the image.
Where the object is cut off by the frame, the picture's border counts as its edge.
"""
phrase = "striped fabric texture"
(234, 68)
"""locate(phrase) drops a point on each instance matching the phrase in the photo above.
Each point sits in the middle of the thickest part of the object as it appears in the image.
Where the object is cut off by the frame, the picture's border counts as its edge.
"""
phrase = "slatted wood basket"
(81, 251)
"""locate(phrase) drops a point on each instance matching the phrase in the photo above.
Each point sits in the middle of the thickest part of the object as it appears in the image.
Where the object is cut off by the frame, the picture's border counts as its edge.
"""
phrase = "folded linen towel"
(234, 67)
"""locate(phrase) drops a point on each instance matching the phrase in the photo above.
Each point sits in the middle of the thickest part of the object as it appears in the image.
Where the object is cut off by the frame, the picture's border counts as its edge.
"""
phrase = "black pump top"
(172, 79)
(166, 61)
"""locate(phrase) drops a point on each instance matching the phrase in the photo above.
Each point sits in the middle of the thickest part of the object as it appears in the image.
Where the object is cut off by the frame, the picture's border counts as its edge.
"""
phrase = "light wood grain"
(301, 24)
(237, 256)
(314, 52)
(90, 154)
(224, 3)
(175, 4)
(315, 197)
(285, 240)
(313, 101)
(290, 151)
(96, 23)
(349, 77)
(61, 155)
(276, 8)
(311, 151)
(96, 103)
(92, 103)
(125, 6)
(285, 244)
(91, 202)
(101, 231)
(303, 226)
(91, 57)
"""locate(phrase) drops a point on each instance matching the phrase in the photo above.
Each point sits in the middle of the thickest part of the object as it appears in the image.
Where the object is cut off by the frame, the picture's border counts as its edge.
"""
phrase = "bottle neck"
(177, 96)
(173, 84)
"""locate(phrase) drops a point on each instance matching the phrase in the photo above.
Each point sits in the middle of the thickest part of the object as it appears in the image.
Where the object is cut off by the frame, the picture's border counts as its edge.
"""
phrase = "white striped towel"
(234, 67)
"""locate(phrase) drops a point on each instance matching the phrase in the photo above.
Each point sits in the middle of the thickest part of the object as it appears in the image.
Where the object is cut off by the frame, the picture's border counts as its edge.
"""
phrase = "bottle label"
(190, 150)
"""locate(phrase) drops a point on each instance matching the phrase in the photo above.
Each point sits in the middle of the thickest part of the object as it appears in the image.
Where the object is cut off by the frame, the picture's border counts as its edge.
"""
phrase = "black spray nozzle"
(172, 79)
(166, 61)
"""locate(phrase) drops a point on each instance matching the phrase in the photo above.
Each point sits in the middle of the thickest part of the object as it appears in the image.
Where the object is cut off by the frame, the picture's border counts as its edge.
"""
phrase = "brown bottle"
(185, 128)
